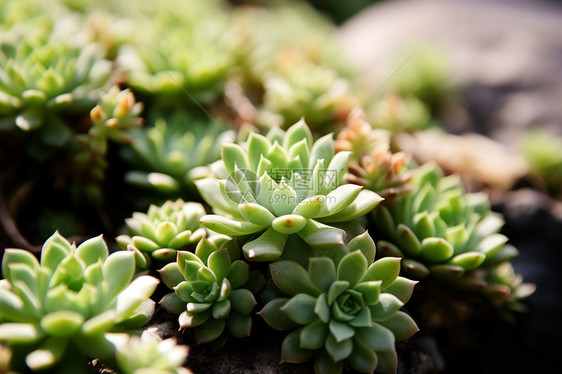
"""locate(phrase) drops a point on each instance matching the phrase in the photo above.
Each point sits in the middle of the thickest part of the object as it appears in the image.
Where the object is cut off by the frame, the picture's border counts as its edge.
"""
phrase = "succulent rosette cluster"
(174, 151)
(148, 354)
(372, 165)
(283, 184)
(211, 292)
(162, 231)
(58, 310)
(346, 311)
(441, 230)
(41, 80)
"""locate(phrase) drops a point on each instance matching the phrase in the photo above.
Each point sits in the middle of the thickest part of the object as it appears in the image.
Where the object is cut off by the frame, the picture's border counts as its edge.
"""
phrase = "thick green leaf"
(339, 199)
(118, 270)
(363, 358)
(322, 236)
(322, 272)
(365, 202)
(341, 331)
(219, 263)
(300, 308)
(402, 288)
(314, 335)
(365, 244)
(62, 323)
(339, 351)
(291, 350)
(48, 354)
(401, 325)
(352, 268)
(436, 249)
(289, 223)
(414, 269)
(370, 291)
(239, 325)
(221, 309)
(387, 306)
(337, 288)
(173, 304)
(233, 155)
(267, 247)
(242, 301)
(258, 145)
(24, 333)
(377, 337)
(209, 331)
(323, 149)
(386, 270)
(256, 214)
(407, 240)
(388, 362)
(324, 364)
(171, 275)
(228, 226)
(15, 256)
(310, 207)
(275, 317)
(297, 133)
(292, 278)
(469, 260)
(322, 308)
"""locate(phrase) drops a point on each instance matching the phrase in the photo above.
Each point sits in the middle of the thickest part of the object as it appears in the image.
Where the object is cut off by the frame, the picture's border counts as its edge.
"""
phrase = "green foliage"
(280, 185)
(40, 81)
(148, 354)
(373, 165)
(543, 152)
(174, 151)
(214, 290)
(341, 311)
(69, 300)
(439, 230)
(162, 231)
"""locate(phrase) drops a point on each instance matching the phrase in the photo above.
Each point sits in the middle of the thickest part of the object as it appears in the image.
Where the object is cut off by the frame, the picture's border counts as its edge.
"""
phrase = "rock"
(508, 55)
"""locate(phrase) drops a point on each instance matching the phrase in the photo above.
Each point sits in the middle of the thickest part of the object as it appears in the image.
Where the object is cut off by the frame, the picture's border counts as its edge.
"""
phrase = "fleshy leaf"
(275, 317)
(291, 350)
(386, 270)
(352, 267)
(292, 278)
(300, 309)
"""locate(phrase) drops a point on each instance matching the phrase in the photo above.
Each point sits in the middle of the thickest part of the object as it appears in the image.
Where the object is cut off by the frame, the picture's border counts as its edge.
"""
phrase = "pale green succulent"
(506, 288)
(193, 59)
(39, 82)
(162, 231)
(148, 354)
(58, 310)
(342, 311)
(280, 185)
(210, 293)
(543, 152)
(316, 93)
(399, 113)
(439, 229)
(174, 152)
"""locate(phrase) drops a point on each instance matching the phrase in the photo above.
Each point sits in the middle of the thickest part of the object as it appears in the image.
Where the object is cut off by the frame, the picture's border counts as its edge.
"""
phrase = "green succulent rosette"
(439, 229)
(162, 231)
(191, 62)
(57, 311)
(173, 152)
(344, 311)
(211, 293)
(148, 354)
(283, 184)
(40, 81)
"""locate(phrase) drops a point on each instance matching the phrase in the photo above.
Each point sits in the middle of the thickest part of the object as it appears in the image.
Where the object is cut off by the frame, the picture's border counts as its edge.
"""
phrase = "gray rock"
(507, 55)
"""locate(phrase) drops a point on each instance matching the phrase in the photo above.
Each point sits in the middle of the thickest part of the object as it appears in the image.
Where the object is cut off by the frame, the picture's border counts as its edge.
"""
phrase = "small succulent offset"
(280, 185)
(162, 231)
(39, 81)
(344, 311)
(439, 229)
(372, 164)
(174, 152)
(148, 354)
(67, 302)
(209, 293)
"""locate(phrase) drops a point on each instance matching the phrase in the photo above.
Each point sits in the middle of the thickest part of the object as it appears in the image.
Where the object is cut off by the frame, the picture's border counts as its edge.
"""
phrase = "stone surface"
(507, 55)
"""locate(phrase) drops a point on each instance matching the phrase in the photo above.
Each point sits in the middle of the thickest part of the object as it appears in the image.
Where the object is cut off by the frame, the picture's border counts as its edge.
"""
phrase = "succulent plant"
(40, 81)
(280, 185)
(149, 354)
(399, 113)
(372, 164)
(543, 153)
(175, 151)
(69, 300)
(506, 288)
(316, 93)
(209, 292)
(344, 311)
(439, 229)
(194, 57)
(162, 231)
